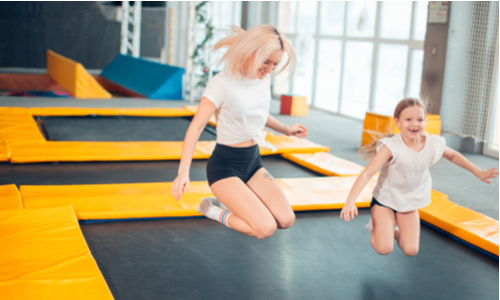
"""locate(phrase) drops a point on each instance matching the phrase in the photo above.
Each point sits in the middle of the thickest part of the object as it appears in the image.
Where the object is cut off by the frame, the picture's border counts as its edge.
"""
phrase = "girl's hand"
(297, 130)
(349, 211)
(179, 186)
(484, 175)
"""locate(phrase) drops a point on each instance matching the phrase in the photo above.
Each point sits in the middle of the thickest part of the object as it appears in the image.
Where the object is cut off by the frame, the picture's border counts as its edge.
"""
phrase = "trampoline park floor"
(320, 257)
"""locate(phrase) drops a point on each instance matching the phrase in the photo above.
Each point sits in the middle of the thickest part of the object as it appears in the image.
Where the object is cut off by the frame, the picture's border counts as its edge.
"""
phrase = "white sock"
(213, 212)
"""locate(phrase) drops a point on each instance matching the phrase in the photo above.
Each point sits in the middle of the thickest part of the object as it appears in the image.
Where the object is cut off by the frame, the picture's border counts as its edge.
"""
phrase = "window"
(354, 56)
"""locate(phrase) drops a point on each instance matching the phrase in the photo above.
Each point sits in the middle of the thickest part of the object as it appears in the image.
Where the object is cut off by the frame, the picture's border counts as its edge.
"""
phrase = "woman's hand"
(484, 175)
(297, 130)
(180, 185)
(348, 211)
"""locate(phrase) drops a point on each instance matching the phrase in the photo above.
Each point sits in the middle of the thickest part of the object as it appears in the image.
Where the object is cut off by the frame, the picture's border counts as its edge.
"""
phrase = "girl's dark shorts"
(228, 162)
(374, 201)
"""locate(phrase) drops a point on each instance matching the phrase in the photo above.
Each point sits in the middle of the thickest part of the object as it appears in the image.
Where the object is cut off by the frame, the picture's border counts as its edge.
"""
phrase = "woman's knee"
(264, 230)
(286, 222)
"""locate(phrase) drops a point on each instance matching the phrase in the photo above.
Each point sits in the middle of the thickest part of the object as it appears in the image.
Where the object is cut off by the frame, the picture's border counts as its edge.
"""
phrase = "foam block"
(375, 125)
(150, 79)
(74, 78)
(293, 105)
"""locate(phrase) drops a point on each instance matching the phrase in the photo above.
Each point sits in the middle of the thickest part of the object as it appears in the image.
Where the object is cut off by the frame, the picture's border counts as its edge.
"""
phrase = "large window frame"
(376, 41)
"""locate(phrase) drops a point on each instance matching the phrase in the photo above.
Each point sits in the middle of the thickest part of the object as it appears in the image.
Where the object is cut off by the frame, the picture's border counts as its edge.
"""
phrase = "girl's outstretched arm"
(350, 210)
(205, 110)
(297, 130)
(459, 160)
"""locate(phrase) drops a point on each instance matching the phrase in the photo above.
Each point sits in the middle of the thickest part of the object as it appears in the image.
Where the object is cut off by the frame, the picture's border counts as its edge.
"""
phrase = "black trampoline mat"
(319, 257)
(120, 128)
(71, 173)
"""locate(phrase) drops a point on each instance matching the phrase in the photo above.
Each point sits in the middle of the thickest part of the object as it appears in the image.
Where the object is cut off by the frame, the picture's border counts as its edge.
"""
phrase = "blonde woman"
(248, 199)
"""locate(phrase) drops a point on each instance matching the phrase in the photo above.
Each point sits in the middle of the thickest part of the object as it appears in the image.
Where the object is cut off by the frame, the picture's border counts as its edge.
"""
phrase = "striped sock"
(213, 212)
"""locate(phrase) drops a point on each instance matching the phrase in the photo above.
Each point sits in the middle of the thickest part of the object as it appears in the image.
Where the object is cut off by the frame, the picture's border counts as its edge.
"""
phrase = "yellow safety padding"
(74, 78)
(17, 124)
(10, 198)
(325, 163)
(374, 125)
(118, 201)
(212, 121)
(4, 150)
(468, 225)
(31, 152)
(44, 256)
(153, 200)
(138, 112)
(324, 193)
(286, 144)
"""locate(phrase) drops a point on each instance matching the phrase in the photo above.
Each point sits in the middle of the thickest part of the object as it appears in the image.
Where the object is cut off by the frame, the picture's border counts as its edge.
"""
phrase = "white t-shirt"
(404, 183)
(242, 107)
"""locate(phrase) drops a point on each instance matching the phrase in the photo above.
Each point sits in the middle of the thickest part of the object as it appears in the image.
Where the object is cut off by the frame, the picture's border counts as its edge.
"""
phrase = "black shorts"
(374, 201)
(228, 162)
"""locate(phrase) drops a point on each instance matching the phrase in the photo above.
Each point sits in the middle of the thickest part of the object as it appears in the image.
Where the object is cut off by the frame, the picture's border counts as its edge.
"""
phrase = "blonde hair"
(247, 50)
(370, 150)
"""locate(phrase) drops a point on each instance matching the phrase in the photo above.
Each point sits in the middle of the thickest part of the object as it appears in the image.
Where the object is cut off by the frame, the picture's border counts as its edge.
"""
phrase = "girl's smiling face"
(269, 65)
(411, 122)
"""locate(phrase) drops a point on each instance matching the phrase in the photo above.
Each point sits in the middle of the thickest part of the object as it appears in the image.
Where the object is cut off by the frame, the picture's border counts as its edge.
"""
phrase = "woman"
(252, 201)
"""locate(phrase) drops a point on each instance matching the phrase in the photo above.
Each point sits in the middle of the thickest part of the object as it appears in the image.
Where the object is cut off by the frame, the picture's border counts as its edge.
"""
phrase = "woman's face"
(268, 66)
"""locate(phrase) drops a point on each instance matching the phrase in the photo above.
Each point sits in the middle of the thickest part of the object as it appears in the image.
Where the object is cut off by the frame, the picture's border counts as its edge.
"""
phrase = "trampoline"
(320, 257)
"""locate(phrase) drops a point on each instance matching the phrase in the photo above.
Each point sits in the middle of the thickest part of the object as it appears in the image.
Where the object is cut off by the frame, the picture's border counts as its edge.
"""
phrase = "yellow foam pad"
(139, 112)
(17, 124)
(324, 193)
(4, 150)
(153, 200)
(325, 163)
(25, 143)
(468, 225)
(10, 198)
(29, 152)
(44, 256)
(376, 124)
(74, 78)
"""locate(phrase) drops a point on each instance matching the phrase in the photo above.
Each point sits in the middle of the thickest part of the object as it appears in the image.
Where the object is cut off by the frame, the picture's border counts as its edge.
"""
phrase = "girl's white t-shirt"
(404, 183)
(242, 107)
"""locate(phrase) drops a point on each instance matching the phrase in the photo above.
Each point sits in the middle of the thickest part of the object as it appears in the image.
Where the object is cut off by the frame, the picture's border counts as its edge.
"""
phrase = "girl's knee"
(410, 250)
(384, 249)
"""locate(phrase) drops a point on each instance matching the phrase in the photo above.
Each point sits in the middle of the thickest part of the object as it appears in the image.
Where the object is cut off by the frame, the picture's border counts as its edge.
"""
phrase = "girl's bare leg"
(382, 238)
(409, 232)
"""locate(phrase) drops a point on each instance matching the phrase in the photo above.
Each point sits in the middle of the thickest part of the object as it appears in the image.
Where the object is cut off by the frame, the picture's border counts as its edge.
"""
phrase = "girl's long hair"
(247, 50)
(368, 151)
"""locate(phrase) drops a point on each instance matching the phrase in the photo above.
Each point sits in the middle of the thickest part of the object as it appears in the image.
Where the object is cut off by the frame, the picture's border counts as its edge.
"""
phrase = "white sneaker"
(215, 202)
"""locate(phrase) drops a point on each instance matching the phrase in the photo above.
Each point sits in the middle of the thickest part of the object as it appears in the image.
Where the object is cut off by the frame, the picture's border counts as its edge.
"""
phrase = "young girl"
(240, 95)
(404, 184)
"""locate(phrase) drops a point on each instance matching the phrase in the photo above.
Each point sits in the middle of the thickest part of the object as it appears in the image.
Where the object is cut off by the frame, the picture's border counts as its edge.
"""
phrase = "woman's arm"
(297, 130)
(205, 110)
(350, 210)
(459, 160)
